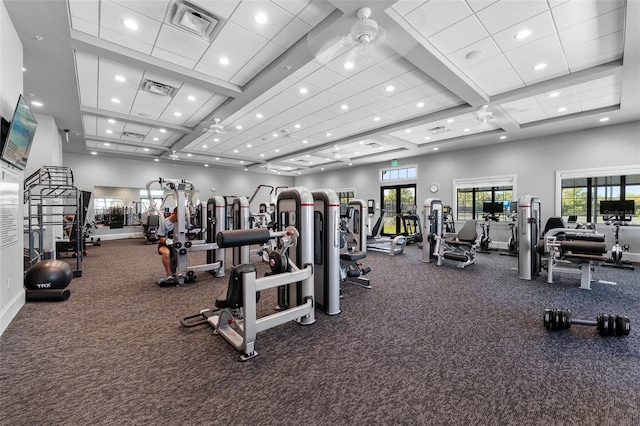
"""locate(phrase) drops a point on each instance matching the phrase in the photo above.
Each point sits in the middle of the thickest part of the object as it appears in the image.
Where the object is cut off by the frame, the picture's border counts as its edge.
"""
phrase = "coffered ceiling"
(292, 86)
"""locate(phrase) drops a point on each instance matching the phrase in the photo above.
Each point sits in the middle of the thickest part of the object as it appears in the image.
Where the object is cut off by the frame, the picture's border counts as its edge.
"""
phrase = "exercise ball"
(48, 274)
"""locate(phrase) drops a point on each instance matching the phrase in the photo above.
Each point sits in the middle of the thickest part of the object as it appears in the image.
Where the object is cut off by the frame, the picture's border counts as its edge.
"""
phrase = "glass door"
(396, 201)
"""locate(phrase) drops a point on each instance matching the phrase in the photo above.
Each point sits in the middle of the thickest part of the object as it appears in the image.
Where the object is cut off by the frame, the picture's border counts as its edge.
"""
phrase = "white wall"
(11, 290)
(46, 149)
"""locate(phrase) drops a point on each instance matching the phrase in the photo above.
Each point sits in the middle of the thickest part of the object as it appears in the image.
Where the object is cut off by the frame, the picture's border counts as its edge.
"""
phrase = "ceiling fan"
(484, 116)
(173, 155)
(216, 127)
(357, 33)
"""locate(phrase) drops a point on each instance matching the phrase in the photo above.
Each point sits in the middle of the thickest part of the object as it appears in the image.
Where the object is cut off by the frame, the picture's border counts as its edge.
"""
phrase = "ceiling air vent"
(439, 129)
(157, 88)
(133, 135)
(193, 19)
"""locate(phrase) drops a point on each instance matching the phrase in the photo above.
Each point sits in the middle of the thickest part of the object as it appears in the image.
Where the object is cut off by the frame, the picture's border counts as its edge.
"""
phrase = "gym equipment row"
(375, 242)
(439, 245)
(607, 325)
(352, 247)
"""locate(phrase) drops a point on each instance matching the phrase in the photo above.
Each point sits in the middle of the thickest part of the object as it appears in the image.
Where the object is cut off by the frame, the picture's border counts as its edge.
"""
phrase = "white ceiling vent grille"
(133, 135)
(157, 88)
(439, 129)
(193, 19)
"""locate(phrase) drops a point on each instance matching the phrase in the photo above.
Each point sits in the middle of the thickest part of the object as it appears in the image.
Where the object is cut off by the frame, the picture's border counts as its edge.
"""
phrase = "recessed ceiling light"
(348, 65)
(156, 139)
(111, 120)
(521, 35)
(327, 134)
(216, 140)
(261, 155)
(562, 109)
(420, 104)
(389, 89)
(241, 161)
(177, 114)
(260, 18)
(120, 78)
(145, 149)
(205, 146)
(305, 141)
(275, 135)
(297, 126)
(554, 94)
(450, 120)
(246, 170)
(206, 165)
(303, 91)
(427, 138)
(94, 153)
(435, 149)
(258, 115)
(603, 119)
(277, 150)
(539, 67)
(36, 103)
(344, 107)
(24, 69)
(503, 137)
(321, 168)
(131, 24)
(156, 160)
(218, 158)
(466, 130)
(249, 145)
(191, 98)
(223, 60)
(115, 100)
(107, 144)
(376, 118)
(109, 131)
(238, 127)
(351, 164)
(163, 130)
(407, 131)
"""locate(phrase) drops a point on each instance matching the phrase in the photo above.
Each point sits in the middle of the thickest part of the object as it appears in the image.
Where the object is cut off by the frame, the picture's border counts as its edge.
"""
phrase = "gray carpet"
(427, 345)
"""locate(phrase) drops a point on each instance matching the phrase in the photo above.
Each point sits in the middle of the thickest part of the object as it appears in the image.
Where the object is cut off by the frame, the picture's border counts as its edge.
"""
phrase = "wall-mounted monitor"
(17, 144)
(489, 207)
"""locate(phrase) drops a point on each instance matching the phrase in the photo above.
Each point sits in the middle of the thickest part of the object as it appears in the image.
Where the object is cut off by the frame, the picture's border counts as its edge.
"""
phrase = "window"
(345, 195)
(471, 194)
(582, 191)
(396, 173)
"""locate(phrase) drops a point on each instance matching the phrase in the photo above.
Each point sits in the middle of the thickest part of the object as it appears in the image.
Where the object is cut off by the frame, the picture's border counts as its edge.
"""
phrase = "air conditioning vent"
(372, 145)
(439, 129)
(133, 135)
(193, 19)
(157, 88)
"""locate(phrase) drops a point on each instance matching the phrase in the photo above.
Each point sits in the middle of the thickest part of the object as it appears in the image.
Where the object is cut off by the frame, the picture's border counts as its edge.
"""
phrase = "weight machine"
(183, 274)
(432, 212)
(353, 245)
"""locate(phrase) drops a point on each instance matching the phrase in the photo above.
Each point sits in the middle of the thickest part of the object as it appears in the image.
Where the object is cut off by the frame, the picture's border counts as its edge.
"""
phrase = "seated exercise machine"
(150, 228)
(460, 247)
(235, 317)
(560, 250)
(375, 242)
(352, 248)
(617, 213)
(182, 245)
(491, 212)
(433, 219)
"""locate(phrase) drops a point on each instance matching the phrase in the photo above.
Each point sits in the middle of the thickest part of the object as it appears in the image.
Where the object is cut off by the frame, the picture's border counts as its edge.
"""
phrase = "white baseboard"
(11, 310)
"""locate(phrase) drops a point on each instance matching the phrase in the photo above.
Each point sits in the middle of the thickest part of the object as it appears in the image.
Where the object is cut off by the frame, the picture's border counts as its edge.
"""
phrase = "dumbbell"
(607, 325)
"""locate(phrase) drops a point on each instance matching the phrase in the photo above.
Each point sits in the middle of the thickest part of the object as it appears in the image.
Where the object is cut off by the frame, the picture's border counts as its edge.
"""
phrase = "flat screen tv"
(17, 144)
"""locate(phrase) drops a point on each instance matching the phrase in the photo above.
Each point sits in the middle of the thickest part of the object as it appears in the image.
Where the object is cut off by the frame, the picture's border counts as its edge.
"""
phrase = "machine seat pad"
(353, 256)
(469, 232)
(458, 243)
(584, 258)
(596, 238)
(234, 289)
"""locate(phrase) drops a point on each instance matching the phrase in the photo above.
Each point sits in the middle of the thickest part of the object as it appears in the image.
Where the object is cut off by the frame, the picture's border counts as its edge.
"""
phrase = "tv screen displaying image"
(17, 144)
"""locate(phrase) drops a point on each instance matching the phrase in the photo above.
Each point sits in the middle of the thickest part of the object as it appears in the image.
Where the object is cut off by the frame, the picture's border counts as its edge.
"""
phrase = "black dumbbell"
(607, 325)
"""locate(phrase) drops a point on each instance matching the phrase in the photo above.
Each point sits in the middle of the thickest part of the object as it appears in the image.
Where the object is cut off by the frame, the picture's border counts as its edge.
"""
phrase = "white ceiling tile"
(397, 65)
(111, 22)
(574, 12)
(152, 105)
(85, 26)
(505, 14)
(604, 25)
(558, 101)
(236, 39)
(566, 109)
(214, 71)
(180, 43)
(123, 40)
(478, 5)
(87, 74)
(90, 124)
(605, 82)
(315, 12)
(501, 82)
(215, 52)
(323, 78)
(596, 52)
(556, 68)
(88, 11)
(534, 52)
(540, 26)
(459, 35)
(174, 58)
(291, 33)
(268, 53)
(600, 102)
(337, 64)
(292, 6)
(221, 8)
(612, 92)
(277, 18)
(487, 68)
(250, 70)
(154, 9)
(475, 53)
(414, 78)
(346, 89)
(402, 7)
(372, 77)
(436, 15)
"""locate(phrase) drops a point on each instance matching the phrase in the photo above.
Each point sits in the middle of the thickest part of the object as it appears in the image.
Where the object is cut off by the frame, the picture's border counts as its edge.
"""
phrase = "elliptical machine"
(617, 213)
(491, 211)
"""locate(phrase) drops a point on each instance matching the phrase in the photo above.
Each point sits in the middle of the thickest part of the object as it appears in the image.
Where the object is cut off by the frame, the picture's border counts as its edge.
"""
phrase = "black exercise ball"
(48, 274)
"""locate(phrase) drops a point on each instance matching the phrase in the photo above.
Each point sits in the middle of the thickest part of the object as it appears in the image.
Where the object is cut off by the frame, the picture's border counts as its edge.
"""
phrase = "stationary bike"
(486, 226)
(512, 244)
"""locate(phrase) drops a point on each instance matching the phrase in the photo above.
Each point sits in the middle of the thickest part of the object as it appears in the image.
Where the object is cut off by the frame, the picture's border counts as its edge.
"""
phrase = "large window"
(471, 194)
(580, 196)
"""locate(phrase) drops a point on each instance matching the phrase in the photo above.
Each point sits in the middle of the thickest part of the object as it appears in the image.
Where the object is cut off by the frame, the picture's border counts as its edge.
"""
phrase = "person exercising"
(165, 243)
